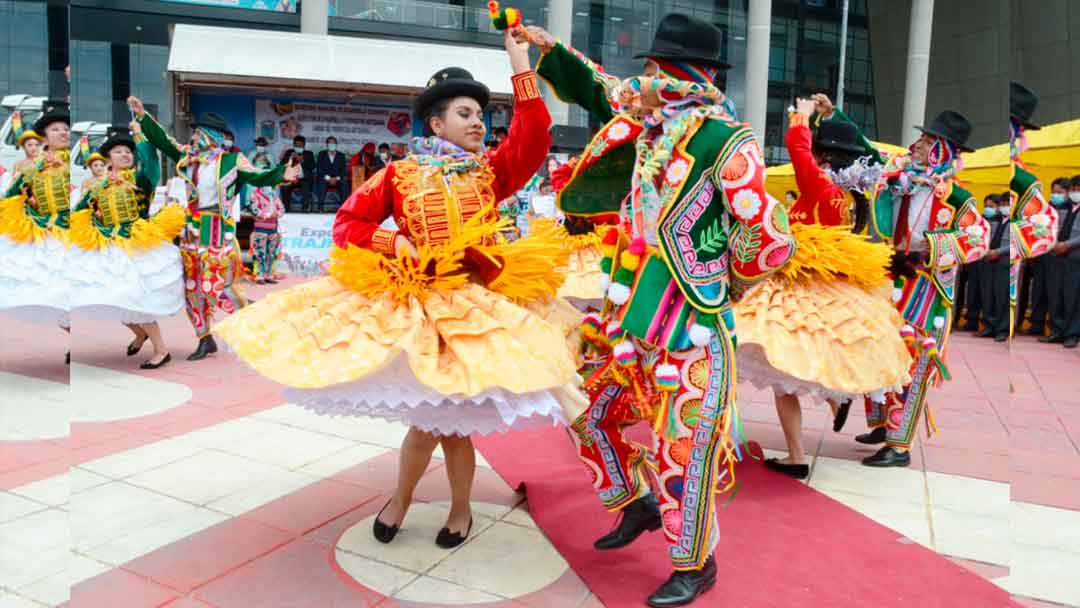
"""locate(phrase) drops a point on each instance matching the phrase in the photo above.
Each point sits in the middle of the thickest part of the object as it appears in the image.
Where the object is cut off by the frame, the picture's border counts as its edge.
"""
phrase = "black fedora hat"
(117, 136)
(685, 38)
(1022, 104)
(838, 135)
(210, 120)
(448, 83)
(952, 126)
(52, 110)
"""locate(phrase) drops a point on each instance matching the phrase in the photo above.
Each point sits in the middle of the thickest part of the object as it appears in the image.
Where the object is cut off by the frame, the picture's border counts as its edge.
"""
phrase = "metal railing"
(417, 12)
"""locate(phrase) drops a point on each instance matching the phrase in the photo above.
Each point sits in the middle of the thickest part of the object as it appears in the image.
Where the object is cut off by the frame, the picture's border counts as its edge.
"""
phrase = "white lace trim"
(33, 284)
(110, 285)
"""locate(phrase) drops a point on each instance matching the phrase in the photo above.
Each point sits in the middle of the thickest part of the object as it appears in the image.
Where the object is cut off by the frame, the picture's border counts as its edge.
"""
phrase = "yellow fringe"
(18, 226)
(573, 242)
(528, 265)
(145, 234)
(833, 252)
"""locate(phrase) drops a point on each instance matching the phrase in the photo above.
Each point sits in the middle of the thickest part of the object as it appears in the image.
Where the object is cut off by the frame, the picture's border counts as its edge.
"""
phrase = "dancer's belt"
(213, 229)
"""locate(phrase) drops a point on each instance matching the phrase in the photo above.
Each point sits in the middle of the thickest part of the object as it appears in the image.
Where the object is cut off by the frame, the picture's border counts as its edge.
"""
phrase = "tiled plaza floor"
(195, 485)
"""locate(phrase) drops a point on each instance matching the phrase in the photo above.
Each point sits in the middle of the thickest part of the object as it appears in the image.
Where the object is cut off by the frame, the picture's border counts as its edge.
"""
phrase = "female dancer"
(824, 327)
(129, 270)
(422, 324)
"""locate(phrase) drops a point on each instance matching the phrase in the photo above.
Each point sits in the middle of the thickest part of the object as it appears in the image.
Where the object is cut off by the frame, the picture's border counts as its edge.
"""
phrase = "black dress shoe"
(840, 419)
(272, 281)
(685, 586)
(637, 517)
(874, 437)
(798, 471)
(1033, 331)
(152, 365)
(448, 540)
(1001, 337)
(888, 457)
(67, 358)
(969, 326)
(1071, 342)
(206, 347)
(1052, 339)
(985, 333)
(135, 346)
(384, 533)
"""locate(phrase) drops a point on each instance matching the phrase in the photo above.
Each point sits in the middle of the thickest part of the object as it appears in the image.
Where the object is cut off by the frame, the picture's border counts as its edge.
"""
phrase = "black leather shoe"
(384, 533)
(841, 416)
(874, 437)
(637, 517)
(1033, 331)
(1071, 342)
(798, 471)
(888, 457)
(135, 346)
(67, 358)
(685, 586)
(448, 540)
(151, 365)
(206, 347)
(1052, 339)
(985, 333)
(968, 326)
(1001, 337)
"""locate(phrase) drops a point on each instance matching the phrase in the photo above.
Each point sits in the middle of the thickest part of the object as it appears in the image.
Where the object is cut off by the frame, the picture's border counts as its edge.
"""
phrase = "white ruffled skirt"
(33, 281)
(114, 286)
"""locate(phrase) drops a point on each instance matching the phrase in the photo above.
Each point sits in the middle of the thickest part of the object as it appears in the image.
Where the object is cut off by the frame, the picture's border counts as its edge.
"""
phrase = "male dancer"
(697, 229)
(208, 243)
(935, 226)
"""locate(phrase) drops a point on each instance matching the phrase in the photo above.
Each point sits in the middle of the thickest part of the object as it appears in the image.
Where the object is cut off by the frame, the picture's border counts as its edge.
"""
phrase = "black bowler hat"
(838, 135)
(260, 141)
(52, 110)
(210, 120)
(1022, 104)
(449, 83)
(683, 38)
(117, 136)
(952, 126)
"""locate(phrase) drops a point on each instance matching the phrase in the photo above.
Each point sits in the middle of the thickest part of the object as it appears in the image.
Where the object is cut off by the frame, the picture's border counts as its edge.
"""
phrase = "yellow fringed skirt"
(824, 327)
(457, 359)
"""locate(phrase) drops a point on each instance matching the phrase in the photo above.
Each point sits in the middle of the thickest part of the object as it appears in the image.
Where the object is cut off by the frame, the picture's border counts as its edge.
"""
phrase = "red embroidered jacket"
(429, 210)
(820, 200)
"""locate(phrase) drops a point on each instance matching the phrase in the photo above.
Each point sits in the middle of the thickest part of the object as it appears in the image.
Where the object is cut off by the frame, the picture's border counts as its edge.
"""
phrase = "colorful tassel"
(16, 124)
(503, 19)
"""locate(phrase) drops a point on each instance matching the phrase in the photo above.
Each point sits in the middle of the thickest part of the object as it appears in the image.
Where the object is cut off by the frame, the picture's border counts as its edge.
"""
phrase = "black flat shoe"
(272, 281)
(1071, 342)
(448, 540)
(840, 419)
(384, 533)
(151, 365)
(1001, 337)
(638, 517)
(135, 346)
(873, 437)
(67, 358)
(798, 471)
(888, 457)
(685, 586)
(206, 347)
(985, 333)
(1052, 339)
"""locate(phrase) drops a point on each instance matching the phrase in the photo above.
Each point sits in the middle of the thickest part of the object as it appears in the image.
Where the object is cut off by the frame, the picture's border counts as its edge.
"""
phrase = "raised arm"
(574, 78)
(357, 221)
(820, 200)
(248, 174)
(154, 132)
(760, 241)
(827, 111)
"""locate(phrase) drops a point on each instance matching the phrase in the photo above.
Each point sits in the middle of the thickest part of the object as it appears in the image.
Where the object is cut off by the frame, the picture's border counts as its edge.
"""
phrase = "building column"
(918, 69)
(560, 22)
(759, 24)
(314, 16)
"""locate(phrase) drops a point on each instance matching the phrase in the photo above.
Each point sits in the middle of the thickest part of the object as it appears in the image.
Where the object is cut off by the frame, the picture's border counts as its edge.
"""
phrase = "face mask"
(1057, 198)
(1075, 196)
(990, 212)
(260, 149)
(227, 143)
(385, 156)
(299, 149)
(331, 147)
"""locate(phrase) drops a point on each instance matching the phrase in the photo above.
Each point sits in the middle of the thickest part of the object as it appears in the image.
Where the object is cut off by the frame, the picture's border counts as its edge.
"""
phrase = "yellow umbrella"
(986, 171)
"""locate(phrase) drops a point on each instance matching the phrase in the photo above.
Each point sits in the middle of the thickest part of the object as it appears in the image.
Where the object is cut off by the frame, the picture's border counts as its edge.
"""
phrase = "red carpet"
(782, 543)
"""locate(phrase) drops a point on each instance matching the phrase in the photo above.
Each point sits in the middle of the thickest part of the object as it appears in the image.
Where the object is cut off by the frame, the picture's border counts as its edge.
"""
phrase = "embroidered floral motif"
(944, 215)
(746, 204)
(676, 171)
(618, 132)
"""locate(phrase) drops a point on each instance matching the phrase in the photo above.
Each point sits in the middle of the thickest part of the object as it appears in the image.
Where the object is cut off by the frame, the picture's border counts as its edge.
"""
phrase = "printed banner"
(279, 6)
(305, 243)
(353, 126)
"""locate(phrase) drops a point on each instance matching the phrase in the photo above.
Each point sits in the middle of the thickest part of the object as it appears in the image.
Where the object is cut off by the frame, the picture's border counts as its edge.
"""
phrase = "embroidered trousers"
(265, 251)
(210, 272)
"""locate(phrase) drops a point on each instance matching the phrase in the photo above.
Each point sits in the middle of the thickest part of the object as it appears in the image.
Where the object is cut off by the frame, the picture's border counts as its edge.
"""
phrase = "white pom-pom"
(700, 335)
(667, 370)
(618, 293)
(625, 347)
(939, 322)
(877, 396)
(605, 282)
(897, 294)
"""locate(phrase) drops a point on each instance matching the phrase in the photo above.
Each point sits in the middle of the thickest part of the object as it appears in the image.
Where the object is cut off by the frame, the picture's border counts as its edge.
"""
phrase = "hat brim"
(109, 145)
(964, 147)
(48, 119)
(709, 61)
(1027, 124)
(449, 89)
(829, 144)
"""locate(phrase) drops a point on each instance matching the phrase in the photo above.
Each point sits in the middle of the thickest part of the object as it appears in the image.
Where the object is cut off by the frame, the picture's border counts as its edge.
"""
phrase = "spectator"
(384, 153)
(971, 283)
(1039, 292)
(368, 161)
(332, 175)
(228, 144)
(398, 151)
(994, 272)
(307, 174)
(790, 197)
(542, 203)
(1063, 274)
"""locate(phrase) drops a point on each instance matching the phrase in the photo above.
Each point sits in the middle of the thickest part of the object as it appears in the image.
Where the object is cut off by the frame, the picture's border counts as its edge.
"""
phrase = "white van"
(97, 132)
(30, 108)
